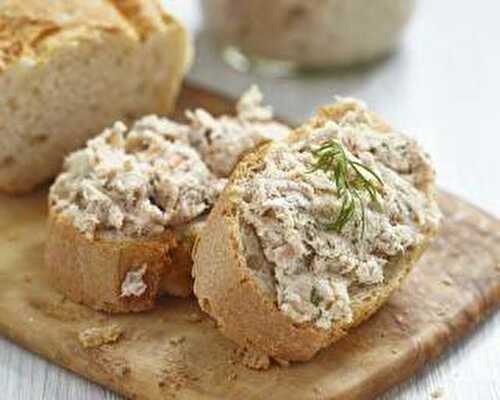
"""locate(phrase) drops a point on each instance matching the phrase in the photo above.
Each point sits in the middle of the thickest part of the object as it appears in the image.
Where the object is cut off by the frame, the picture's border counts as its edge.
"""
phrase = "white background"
(443, 87)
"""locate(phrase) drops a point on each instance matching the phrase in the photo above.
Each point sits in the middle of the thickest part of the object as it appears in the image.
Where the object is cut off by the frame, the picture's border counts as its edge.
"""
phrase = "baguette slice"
(124, 214)
(239, 286)
(115, 273)
(68, 69)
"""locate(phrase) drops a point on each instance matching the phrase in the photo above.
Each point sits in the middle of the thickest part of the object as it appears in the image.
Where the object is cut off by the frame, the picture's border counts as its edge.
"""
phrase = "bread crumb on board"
(97, 336)
(252, 359)
(106, 359)
(174, 373)
(255, 360)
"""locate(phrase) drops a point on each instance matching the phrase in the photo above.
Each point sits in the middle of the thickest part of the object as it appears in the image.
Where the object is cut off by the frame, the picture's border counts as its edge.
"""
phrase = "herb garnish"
(351, 178)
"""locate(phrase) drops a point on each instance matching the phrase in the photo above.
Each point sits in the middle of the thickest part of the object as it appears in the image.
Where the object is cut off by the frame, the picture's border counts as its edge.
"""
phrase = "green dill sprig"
(351, 179)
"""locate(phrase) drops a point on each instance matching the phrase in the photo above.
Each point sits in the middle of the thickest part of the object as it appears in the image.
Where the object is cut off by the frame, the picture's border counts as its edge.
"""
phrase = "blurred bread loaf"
(70, 68)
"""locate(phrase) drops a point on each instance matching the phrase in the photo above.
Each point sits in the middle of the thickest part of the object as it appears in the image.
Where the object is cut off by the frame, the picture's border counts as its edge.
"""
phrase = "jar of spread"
(308, 34)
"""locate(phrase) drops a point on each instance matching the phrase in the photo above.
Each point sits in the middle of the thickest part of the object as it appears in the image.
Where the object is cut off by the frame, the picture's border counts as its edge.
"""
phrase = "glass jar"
(306, 34)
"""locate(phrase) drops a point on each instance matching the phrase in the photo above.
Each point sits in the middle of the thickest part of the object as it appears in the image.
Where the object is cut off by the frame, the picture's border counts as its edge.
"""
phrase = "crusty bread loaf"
(70, 68)
(238, 270)
(125, 211)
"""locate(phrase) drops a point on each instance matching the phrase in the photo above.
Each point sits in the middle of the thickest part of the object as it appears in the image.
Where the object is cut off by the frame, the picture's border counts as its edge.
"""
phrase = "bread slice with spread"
(124, 213)
(312, 235)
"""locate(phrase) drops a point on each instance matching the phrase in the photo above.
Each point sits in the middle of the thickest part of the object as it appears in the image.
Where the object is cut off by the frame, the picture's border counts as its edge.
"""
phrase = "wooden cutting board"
(176, 351)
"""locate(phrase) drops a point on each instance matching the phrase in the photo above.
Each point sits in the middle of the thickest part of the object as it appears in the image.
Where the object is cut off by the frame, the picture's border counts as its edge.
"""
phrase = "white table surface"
(443, 87)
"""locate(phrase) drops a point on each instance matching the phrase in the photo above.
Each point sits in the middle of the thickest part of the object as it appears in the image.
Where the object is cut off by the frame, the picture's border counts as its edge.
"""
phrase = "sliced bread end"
(116, 274)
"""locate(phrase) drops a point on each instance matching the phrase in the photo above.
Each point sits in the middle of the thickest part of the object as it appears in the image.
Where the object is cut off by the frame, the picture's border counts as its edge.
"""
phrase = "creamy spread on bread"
(286, 205)
(157, 173)
(222, 141)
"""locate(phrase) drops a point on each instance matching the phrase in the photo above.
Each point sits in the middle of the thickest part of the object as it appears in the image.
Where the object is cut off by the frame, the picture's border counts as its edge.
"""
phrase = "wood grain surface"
(176, 351)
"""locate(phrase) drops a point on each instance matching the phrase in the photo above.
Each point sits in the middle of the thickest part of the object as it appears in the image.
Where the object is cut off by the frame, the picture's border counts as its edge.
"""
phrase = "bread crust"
(92, 270)
(25, 25)
(42, 42)
(248, 314)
